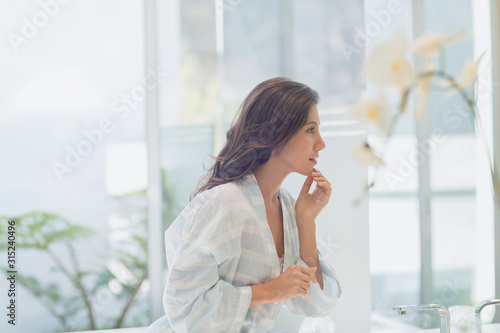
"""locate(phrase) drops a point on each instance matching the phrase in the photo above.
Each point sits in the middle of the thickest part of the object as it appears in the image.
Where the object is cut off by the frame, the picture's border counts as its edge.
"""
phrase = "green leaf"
(39, 230)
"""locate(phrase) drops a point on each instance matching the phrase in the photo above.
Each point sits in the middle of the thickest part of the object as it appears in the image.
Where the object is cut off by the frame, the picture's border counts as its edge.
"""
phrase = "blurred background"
(109, 110)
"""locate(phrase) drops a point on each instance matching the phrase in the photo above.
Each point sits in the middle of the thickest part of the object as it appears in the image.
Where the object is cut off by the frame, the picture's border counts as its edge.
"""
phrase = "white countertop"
(488, 328)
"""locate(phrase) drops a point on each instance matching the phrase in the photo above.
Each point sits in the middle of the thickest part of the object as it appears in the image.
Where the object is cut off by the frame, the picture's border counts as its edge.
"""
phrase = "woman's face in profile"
(304, 146)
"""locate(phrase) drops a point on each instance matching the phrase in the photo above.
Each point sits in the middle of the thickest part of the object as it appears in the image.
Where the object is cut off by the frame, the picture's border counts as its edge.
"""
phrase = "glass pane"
(393, 204)
(394, 255)
(454, 260)
(453, 171)
(454, 210)
(73, 169)
(454, 220)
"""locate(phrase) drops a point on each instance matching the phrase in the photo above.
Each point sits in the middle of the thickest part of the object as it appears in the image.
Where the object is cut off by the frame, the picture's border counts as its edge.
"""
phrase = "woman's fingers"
(308, 275)
(312, 275)
(299, 278)
(319, 178)
(307, 185)
(322, 183)
(313, 271)
(322, 180)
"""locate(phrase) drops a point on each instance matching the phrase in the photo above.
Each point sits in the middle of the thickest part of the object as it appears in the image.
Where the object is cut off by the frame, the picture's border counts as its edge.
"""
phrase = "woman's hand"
(294, 281)
(309, 205)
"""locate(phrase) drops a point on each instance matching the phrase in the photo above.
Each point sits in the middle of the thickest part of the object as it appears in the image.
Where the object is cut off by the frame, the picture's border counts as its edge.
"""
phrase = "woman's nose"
(321, 143)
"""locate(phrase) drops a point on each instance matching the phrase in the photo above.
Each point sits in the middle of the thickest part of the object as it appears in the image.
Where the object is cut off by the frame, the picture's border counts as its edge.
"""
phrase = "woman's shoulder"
(231, 192)
(226, 197)
(220, 204)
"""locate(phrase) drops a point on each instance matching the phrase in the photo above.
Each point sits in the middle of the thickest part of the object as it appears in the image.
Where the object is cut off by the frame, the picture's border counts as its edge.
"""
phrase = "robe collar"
(252, 186)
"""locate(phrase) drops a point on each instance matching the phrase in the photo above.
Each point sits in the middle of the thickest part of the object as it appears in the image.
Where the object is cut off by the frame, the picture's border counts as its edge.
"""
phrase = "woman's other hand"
(294, 281)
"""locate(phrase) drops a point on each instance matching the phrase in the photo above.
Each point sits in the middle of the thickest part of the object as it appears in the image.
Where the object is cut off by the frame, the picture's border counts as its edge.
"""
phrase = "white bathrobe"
(219, 246)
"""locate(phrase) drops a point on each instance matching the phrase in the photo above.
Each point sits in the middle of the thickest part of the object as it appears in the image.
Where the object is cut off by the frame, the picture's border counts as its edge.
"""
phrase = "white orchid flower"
(469, 73)
(433, 43)
(374, 110)
(365, 155)
(387, 64)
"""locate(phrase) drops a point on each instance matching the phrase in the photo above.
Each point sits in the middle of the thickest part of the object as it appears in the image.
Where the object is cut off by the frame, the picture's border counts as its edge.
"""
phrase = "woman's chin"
(306, 173)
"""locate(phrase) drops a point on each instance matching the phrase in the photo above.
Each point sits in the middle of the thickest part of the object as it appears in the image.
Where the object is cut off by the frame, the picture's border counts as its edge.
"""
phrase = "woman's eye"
(310, 130)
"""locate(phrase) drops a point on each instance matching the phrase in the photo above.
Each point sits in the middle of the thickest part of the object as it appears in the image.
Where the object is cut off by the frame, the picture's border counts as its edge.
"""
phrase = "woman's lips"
(313, 160)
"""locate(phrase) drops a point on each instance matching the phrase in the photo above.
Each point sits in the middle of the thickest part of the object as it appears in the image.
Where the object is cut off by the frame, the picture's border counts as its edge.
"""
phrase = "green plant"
(56, 237)
(124, 267)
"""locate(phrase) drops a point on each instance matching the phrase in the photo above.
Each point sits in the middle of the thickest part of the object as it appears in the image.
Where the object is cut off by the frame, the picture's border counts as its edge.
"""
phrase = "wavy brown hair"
(269, 116)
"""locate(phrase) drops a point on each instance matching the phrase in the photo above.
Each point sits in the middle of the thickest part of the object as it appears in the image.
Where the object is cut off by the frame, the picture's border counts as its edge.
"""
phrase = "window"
(424, 227)
(74, 158)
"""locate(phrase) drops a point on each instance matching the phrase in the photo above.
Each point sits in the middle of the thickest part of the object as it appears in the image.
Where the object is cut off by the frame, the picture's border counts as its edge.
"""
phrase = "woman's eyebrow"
(313, 122)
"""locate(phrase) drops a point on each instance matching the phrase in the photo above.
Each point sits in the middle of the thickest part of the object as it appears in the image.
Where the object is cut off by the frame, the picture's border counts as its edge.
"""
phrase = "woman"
(243, 246)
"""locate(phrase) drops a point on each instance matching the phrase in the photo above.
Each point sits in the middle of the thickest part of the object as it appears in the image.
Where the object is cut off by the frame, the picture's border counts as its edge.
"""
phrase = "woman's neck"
(270, 177)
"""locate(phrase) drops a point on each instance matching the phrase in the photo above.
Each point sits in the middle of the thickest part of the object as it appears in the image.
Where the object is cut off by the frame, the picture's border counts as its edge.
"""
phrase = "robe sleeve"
(318, 302)
(196, 299)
